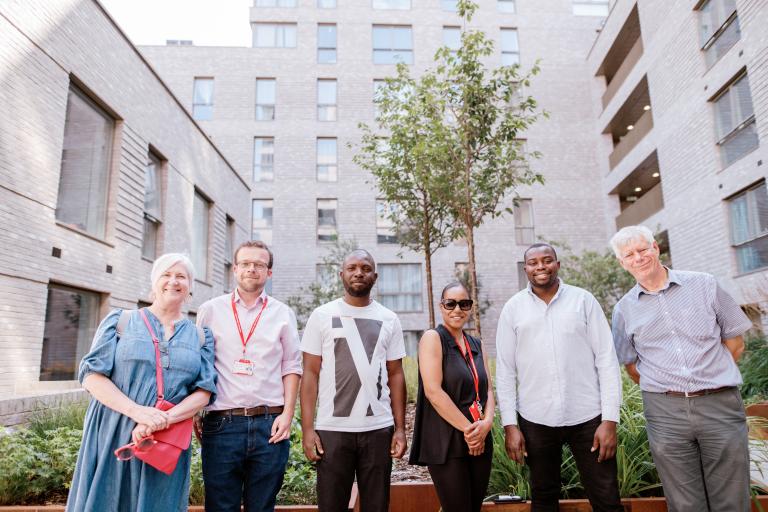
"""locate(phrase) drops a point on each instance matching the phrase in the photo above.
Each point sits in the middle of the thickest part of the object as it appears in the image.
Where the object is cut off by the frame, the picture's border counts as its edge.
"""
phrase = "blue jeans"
(239, 465)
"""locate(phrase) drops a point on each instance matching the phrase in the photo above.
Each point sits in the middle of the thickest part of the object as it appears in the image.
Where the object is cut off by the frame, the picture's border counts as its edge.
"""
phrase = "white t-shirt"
(355, 344)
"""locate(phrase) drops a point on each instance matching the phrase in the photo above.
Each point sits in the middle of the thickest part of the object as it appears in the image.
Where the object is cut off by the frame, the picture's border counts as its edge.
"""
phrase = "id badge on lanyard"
(243, 365)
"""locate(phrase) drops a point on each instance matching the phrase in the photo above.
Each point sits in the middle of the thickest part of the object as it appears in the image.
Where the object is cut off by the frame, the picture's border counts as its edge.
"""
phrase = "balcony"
(640, 129)
(621, 74)
(650, 203)
(622, 56)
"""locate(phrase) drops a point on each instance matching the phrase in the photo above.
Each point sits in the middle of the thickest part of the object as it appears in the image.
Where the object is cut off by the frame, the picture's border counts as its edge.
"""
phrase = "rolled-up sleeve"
(506, 372)
(730, 317)
(622, 342)
(101, 358)
(206, 378)
(289, 338)
(608, 371)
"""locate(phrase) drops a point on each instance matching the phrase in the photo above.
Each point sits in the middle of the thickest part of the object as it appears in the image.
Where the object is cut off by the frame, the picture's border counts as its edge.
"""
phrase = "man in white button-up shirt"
(558, 381)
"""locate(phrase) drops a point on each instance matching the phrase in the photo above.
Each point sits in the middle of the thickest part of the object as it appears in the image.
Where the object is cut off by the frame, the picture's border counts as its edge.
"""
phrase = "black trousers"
(462, 481)
(544, 446)
(346, 454)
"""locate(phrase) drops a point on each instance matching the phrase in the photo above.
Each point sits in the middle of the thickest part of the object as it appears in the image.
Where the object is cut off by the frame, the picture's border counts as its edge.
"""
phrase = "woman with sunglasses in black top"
(454, 408)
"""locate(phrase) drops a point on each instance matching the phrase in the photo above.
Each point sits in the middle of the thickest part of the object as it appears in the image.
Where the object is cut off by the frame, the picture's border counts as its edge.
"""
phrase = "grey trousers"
(701, 450)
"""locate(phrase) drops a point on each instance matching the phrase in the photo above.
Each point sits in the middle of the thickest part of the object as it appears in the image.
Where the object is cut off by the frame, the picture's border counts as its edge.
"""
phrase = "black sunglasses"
(450, 304)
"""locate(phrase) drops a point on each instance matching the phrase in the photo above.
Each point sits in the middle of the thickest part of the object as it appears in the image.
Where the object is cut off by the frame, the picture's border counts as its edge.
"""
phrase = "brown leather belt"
(701, 392)
(259, 410)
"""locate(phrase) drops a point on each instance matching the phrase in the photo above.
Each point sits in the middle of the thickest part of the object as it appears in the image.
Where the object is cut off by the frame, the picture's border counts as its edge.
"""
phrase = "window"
(202, 99)
(327, 275)
(274, 3)
(262, 220)
(152, 206)
(71, 319)
(326, 4)
(274, 35)
(85, 163)
(265, 99)
(522, 277)
(399, 286)
(735, 118)
(392, 4)
(452, 38)
(385, 232)
(448, 5)
(200, 227)
(523, 214)
(263, 159)
(506, 6)
(326, 44)
(326, 220)
(326, 159)
(591, 7)
(392, 44)
(749, 228)
(510, 50)
(326, 100)
(229, 247)
(718, 28)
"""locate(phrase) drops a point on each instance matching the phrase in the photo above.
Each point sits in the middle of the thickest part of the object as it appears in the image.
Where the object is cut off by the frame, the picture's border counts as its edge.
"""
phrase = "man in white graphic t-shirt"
(353, 349)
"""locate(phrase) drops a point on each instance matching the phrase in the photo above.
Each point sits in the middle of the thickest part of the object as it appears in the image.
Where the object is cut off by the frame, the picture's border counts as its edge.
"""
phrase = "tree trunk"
(430, 294)
(473, 276)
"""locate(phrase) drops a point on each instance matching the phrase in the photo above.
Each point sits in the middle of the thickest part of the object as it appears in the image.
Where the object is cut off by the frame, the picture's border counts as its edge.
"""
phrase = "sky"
(205, 22)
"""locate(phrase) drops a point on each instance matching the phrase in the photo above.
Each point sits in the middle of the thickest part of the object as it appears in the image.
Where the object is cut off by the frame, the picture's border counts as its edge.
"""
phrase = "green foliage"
(71, 415)
(330, 288)
(411, 371)
(37, 468)
(196, 486)
(754, 369)
(299, 482)
(636, 470)
(597, 272)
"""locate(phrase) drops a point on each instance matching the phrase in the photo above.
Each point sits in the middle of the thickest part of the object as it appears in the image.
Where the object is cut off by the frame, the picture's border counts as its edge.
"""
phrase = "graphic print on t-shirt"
(355, 341)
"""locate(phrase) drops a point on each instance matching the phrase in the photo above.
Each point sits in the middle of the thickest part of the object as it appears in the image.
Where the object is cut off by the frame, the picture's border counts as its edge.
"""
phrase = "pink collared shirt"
(273, 349)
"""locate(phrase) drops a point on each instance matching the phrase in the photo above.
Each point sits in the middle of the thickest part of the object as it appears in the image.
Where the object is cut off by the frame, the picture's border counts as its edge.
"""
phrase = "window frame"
(420, 294)
(507, 52)
(321, 50)
(500, 3)
(257, 161)
(391, 50)
(384, 224)
(196, 106)
(586, 3)
(281, 39)
(202, 272)
(330, 109)
(390, 8)
(266, 107)
(333, 235)
(332, 168)
(738, 125)
(154, 219)
(521, 229)
(753, 216)
(268, 229)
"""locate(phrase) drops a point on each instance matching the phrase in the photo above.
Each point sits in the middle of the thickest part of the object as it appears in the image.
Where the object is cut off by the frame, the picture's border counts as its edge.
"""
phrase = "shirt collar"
(673, 277)
(560, 288)
(258, 302)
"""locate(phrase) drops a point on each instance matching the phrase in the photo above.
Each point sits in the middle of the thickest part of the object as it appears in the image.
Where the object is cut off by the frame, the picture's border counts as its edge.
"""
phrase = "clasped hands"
(475, 433)
(148, 420)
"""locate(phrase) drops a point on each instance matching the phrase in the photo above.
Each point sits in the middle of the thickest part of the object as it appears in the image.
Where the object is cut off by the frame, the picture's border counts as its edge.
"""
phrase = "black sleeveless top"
(434, 439)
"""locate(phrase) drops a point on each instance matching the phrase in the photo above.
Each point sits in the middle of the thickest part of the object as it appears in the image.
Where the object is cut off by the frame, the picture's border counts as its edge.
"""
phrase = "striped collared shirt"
(675, 335)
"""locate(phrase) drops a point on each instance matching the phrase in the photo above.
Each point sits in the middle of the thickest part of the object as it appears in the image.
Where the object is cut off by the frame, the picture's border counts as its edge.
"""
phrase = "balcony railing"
(621, 74)
(651, 202)
(642, 126)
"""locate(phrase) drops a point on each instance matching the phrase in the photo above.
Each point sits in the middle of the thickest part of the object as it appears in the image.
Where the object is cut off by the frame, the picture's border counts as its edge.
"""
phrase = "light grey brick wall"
(44, 46)
(695, 184)
(564, 208)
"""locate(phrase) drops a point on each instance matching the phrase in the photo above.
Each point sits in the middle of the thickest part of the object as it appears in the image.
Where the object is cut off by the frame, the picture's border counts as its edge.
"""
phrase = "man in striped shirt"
(679, 336)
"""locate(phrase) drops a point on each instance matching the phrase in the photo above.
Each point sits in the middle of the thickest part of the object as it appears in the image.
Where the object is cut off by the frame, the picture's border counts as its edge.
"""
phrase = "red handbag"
(171, 441)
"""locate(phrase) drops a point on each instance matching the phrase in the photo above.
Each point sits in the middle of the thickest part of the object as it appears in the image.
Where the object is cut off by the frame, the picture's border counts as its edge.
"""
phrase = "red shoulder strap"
(158, 364)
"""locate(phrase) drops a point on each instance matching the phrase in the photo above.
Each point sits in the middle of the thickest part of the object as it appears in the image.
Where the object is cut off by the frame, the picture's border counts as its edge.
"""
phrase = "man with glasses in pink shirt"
(245, 432)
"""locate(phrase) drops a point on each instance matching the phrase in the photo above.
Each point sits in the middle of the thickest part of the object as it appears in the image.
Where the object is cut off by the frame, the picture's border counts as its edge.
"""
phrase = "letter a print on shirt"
(358, 380)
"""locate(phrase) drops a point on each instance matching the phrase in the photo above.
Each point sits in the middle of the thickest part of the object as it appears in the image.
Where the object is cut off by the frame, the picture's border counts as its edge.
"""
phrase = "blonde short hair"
(168, 260)
(630, 234)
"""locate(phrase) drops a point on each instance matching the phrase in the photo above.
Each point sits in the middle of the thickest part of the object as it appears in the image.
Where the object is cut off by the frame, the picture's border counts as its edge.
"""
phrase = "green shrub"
(70, 415)
(636, 470)
(300, 474)
(411, 371)
(754, 370)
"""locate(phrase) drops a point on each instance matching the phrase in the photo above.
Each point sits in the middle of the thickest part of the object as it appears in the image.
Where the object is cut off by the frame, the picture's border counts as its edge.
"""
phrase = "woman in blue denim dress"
(119, 373)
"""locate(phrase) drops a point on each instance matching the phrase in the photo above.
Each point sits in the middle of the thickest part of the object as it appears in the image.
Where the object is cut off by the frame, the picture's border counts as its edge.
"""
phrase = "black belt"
(259, 410)
(701, 392)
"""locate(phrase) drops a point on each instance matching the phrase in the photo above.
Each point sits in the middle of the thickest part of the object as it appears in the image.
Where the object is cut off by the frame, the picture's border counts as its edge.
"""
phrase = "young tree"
(406, 170)
(482, 115)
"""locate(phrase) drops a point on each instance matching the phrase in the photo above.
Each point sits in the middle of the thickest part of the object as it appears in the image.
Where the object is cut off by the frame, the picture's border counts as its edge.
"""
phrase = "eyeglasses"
(635, 253)
(450, 304)
(256, 265)
(128, 451)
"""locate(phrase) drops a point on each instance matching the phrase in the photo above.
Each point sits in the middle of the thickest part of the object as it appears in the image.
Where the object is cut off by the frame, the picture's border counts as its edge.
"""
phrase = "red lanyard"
(470, 365)
(253, 326)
